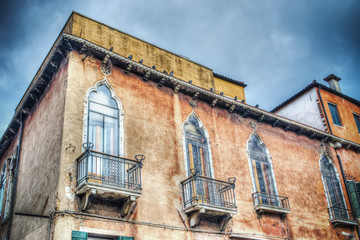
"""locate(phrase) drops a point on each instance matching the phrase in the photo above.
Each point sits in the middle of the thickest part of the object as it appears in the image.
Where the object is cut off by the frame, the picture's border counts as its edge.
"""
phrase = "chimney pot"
(333, 82)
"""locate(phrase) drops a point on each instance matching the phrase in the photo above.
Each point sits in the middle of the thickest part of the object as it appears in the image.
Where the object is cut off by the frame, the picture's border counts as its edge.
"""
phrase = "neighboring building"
(324, 108)
(105, 146)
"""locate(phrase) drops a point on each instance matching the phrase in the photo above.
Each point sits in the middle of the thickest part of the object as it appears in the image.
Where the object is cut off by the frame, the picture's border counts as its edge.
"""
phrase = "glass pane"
(198, 157)
(357, 121)
(96, 131)
(257, 151)
(111, 138)
(103, 109)
(103, 96)
(334, 114)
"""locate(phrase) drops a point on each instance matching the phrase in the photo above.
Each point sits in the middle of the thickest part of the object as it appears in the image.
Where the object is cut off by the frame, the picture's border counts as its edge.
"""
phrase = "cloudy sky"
(277, 47)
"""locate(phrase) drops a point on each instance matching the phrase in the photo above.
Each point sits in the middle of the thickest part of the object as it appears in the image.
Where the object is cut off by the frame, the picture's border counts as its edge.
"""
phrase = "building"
(118, 139)
(325, 108)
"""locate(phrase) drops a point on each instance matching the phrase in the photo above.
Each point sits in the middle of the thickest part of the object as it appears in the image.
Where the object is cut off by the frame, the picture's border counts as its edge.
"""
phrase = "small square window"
(357, 121)
(334, 114)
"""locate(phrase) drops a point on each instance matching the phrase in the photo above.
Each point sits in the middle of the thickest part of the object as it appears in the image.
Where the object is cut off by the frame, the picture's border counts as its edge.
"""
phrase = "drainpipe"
(322, 105)
(346, 188)
(14, 186)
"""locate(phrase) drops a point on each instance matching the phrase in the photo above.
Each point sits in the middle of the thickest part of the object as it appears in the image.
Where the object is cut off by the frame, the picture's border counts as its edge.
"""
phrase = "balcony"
(341, 216)
(269, 203)
(108, 177)
(208, 197)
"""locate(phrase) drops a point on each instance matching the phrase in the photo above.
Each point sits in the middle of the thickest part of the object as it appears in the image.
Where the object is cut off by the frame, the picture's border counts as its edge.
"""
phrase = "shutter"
(77, 235)
(354, 198)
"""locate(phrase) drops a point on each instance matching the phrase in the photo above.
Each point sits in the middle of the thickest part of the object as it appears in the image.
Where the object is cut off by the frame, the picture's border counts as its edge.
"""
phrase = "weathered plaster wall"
(10, 153)
(304, 109)
(153, 119)
(348, 130)
(39, 161)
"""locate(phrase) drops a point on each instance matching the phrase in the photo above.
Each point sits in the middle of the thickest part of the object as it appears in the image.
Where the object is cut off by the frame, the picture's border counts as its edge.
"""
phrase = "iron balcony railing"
(104, 169)
(208, 191)
(336, 213)
(260, 198)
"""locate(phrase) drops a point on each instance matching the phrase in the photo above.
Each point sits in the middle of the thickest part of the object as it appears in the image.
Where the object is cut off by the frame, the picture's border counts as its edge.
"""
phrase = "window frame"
(3, 179)
(357, 123)
(269, 157)
(338, 121)
(208, 144)
(120, 118)
(325, 184)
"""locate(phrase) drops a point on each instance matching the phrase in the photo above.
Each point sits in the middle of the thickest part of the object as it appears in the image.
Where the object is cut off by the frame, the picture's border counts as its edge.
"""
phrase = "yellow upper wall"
(229, 89)
(126, 45)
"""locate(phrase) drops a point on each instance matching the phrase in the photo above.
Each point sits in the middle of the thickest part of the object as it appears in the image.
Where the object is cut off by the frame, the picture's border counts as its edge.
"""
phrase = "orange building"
(325, 108)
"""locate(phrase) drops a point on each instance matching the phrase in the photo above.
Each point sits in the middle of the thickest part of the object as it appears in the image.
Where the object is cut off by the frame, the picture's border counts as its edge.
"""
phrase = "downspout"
(322, 105)
(346, 188)
(14, 186)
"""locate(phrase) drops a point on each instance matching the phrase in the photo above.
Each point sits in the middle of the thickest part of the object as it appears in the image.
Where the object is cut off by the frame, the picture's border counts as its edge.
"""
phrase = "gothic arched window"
(261, 170)
(2, 186)
(103, 121)
(197, 150)
(332, 187)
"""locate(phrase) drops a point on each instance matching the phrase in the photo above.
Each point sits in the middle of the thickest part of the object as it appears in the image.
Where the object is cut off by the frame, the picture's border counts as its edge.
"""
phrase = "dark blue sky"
(277, 47)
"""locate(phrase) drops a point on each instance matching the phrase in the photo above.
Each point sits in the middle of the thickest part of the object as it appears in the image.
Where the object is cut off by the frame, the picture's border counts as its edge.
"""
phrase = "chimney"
(333, 82)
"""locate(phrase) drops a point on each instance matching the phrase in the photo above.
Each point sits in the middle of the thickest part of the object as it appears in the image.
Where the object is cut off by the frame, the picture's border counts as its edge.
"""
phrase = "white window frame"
(120, 108)
(193, 114)
(250, 162)
(337, 176)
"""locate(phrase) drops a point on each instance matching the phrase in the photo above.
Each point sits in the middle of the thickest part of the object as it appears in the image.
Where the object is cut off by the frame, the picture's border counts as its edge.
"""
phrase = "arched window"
(103, 121)
(103, 133)
(261, 170)
(198, 159)
(332, 187)
(2, 186)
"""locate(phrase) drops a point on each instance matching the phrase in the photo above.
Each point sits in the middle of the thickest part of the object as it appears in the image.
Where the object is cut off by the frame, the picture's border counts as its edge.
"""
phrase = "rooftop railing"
(208, 191)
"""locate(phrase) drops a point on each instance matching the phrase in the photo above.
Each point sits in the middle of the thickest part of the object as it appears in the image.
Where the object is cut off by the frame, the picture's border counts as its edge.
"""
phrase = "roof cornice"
(67, 43)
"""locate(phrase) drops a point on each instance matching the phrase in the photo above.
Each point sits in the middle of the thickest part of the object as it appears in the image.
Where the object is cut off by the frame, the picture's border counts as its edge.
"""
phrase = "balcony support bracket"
(195, 217)
(128, 204)
(86, 199)
(224, 221)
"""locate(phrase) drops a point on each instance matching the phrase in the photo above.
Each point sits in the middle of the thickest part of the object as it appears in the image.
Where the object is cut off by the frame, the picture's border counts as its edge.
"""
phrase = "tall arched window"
(332, 187)
(103, 133)
(198, 158)
(103, 121)
(2, 187)
(261, 170)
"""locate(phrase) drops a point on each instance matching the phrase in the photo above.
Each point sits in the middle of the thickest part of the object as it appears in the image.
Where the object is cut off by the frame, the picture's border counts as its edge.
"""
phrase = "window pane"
(111, 141)
(197, 150)
(96, 131)
(103, 109)
(333, 188)
(334, 114)
(263, 176)
(357, 121)
(103, 96)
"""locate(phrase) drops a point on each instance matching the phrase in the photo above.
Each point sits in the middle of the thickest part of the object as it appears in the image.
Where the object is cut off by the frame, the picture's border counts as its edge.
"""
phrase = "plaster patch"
(69, 193)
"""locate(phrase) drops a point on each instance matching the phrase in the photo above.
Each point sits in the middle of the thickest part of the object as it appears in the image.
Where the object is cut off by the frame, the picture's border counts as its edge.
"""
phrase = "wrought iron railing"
(208, 191)
(105, 169)
(260, 198)
(336, 213)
